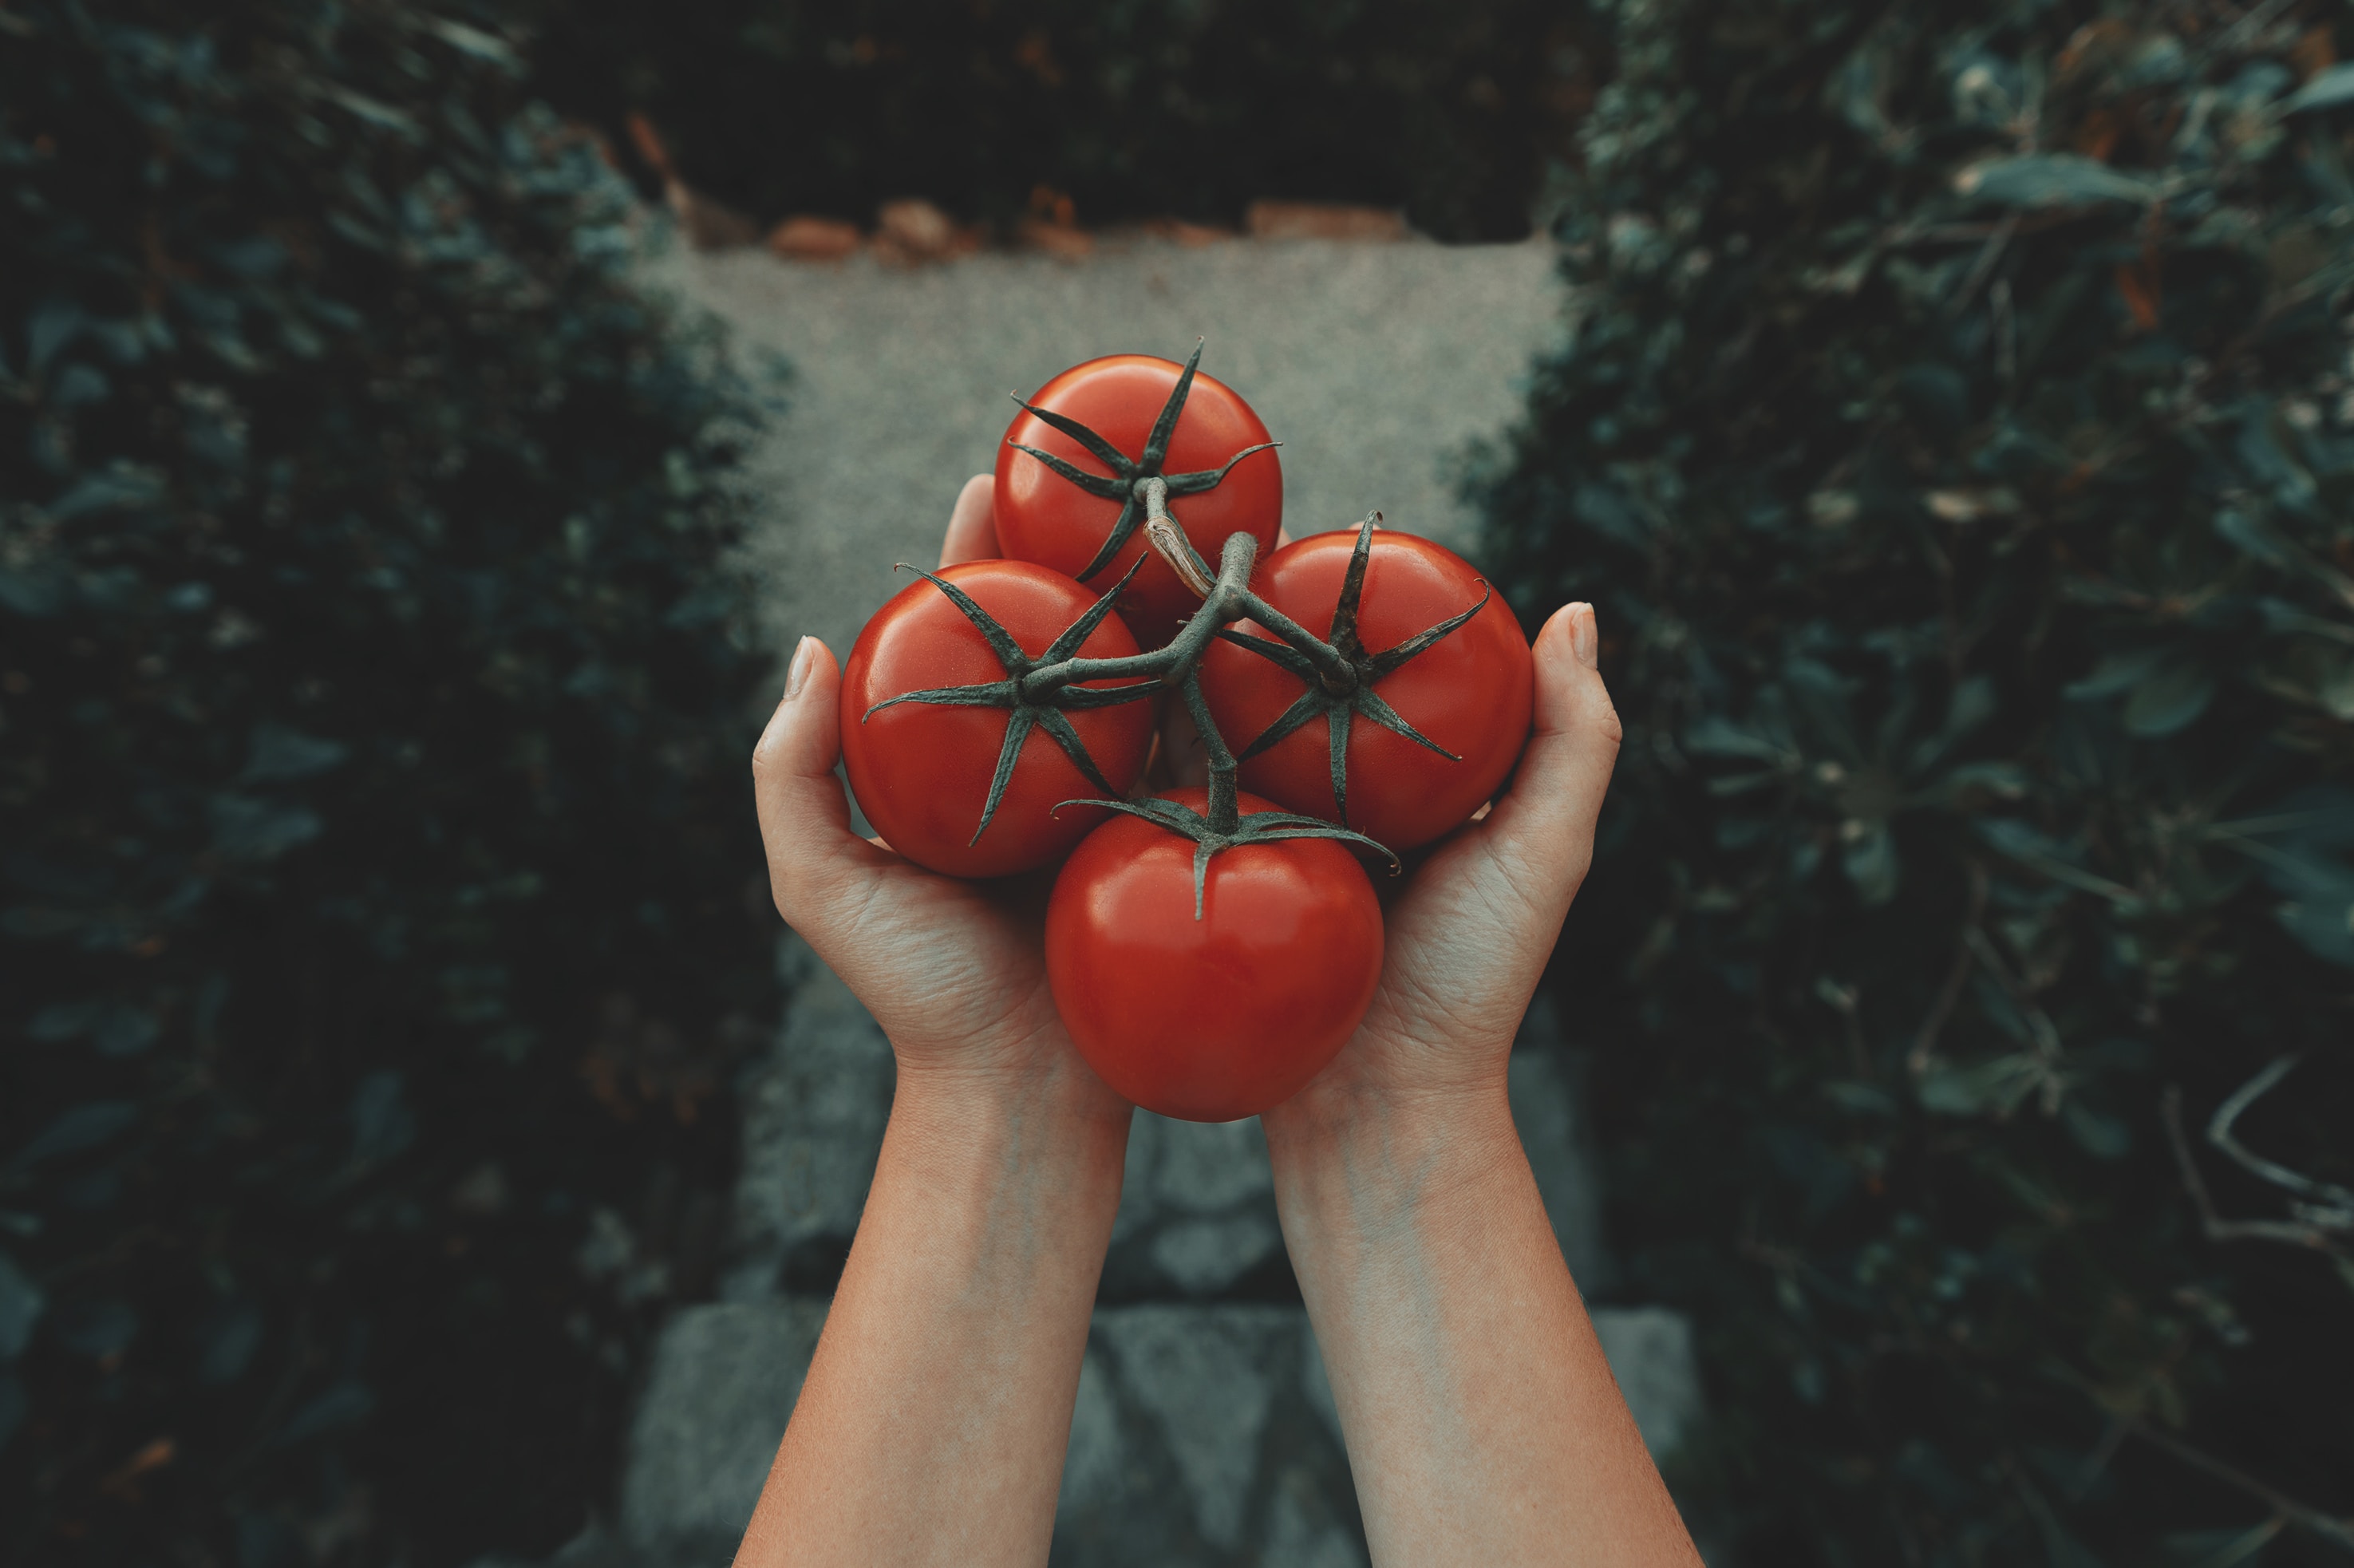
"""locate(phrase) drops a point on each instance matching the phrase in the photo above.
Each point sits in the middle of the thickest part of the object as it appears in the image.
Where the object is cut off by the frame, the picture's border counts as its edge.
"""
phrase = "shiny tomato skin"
(1219, 1018)
(921, 771)
(1473, 691)
(1043, 517)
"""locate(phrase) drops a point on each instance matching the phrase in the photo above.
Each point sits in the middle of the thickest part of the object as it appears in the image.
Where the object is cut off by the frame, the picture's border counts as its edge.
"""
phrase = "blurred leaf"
(2049, 179)
(1997, 1084)
(483, 46)
(83, 1127)
(2099, 1134)
(277, 752)
(226, 1341)
(119, 488)
(382, 1123)
(2327, 90)
(2117, 672)
(2169, 698)
(246, 827)
(20, 1309)
(1870, 862)
(341, 1406)
(96, 1329)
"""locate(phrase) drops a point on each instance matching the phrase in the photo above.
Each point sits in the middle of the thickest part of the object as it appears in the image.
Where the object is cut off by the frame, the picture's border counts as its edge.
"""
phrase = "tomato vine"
(1339, 674)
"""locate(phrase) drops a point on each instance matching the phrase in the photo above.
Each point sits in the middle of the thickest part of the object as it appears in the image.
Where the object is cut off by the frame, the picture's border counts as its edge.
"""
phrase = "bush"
(372, 795)
(1132, 111)
(1959, 440)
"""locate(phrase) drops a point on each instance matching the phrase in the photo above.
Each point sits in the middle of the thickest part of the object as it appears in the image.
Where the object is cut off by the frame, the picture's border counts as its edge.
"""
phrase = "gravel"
(1376, 365)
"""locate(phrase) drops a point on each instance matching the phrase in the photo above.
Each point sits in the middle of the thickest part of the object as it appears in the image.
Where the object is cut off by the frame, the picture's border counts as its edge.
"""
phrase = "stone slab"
(813, 1115)
(723, 1380)
(1202, 1433)
(1651, 1355)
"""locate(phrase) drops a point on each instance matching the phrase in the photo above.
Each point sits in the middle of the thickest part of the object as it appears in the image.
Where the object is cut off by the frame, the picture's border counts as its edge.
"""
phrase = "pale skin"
(1481, 1420)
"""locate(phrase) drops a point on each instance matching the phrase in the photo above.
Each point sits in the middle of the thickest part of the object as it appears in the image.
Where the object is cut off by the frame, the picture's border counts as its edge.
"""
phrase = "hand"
(1482, 1421)
(934, 1419)
(1467, 939)
(954, 972)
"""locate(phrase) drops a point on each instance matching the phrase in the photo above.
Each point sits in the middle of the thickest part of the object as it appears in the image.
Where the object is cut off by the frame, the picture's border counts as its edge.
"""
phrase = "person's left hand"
(954, 972)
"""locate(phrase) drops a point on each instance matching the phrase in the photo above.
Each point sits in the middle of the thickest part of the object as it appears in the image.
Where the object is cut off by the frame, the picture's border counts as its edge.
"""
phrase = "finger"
(972, 522)
(804, 815)
(1544, 827)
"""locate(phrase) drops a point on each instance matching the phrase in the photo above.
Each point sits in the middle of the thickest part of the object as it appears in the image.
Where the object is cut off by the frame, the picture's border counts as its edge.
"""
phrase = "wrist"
(1054, 1099)
(1379, 1153)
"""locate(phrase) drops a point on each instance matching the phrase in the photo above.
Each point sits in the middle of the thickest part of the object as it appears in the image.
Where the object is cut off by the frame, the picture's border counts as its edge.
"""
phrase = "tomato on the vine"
(1218, 1017)
(1469, 690)
(923, 770)
(1047, 517)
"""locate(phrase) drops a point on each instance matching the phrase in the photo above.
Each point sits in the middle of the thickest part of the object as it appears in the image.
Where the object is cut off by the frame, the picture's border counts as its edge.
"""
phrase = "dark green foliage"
(1171, 107)
(373, 814)
(1958, 442)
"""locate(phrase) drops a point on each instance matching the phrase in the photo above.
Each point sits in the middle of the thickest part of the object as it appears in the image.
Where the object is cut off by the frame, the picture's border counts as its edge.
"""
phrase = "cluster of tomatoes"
(1209, 948)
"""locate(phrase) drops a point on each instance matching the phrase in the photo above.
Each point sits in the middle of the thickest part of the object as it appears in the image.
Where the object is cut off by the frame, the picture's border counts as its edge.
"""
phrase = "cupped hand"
(954, 972)
(1467, 937)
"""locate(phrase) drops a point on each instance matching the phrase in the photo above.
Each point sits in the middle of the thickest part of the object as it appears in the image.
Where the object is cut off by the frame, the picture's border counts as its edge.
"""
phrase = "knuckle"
(1608, 728)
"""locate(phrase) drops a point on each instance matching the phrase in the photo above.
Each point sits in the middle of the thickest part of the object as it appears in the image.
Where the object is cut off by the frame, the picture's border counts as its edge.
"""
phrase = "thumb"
(804, 815)
(972, 523)
(1544, 828)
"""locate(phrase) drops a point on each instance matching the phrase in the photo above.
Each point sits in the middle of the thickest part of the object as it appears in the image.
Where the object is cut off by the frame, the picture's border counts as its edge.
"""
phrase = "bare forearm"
(932, 1425)
(1482, 1421)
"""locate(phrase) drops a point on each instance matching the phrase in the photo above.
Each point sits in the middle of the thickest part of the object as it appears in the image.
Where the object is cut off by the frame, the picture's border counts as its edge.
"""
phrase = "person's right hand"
(1481, 1418)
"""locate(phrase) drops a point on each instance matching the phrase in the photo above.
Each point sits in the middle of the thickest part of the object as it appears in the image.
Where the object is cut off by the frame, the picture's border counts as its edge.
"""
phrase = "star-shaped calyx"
(1342, 689)
(1249, 828)
(1026, 711)
(1126, 484)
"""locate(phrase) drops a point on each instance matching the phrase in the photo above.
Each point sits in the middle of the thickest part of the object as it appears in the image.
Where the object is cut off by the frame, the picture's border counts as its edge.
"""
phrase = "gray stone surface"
(1203, 1375)
(1548, 1107)
(1202, 1433)
(1196, 1208)
(723, 1386)
(1374, 364)
(1196, 1441)
(813, 1115)
(1650, 1351)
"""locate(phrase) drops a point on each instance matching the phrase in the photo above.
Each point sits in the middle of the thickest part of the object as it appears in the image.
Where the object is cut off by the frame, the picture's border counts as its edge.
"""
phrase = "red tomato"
(1043, 517)
(922, 770)
(1220, 1017)
(1472, 692)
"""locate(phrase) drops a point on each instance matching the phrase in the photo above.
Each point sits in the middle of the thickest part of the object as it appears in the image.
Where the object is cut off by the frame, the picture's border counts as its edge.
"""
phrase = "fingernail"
(1582, 635)
(804, 655)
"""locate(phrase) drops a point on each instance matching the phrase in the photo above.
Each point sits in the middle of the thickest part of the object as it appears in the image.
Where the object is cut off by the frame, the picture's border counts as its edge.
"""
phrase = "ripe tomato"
(1042, 516)
(1220, 1017)
(1472, 692)
(922, 771)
